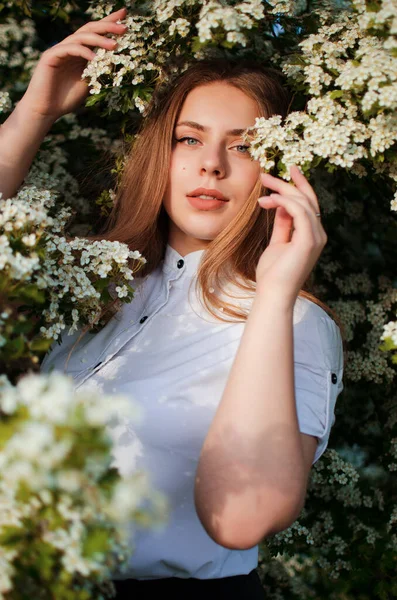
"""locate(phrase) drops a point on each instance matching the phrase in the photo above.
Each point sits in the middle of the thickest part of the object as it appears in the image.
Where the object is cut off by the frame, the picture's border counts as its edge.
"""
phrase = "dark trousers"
(238, 587)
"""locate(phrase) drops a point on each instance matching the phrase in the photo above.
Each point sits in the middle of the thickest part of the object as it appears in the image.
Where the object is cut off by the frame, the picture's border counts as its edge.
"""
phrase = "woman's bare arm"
(21, 136)
(55, 89)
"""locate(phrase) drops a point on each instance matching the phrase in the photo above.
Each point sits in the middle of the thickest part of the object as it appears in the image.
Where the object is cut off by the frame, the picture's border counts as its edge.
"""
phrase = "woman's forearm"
(20, 138)
(251, 468)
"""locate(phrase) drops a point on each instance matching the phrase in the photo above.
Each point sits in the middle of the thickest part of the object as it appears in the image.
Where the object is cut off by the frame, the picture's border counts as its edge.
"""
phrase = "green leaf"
(105, 202)
(108, 480)
(9, 425)
(127, 103)
(372, 7)
(4, 281)
(330, 168)
(40, 344)
(336, 94)
(96, 541)
(30, 292)
(196, 44)
(101, 284)
(387, 345)
(95, 98)
(45, 556)
(105, 296)
(23, 326)
(15, 348)
(11, 535)
(317, 160)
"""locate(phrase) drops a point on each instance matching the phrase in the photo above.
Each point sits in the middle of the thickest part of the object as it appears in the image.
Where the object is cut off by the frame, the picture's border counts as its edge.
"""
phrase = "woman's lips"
(203, 204)
(201, 191)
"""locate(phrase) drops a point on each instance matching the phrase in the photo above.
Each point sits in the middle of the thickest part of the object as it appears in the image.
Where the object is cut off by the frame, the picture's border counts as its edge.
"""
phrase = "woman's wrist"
(273, 301)
(21, 135)
(25, 112)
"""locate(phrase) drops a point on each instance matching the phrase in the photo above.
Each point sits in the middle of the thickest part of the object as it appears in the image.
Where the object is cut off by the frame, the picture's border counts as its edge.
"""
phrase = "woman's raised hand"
(56, 87)
(291, 253)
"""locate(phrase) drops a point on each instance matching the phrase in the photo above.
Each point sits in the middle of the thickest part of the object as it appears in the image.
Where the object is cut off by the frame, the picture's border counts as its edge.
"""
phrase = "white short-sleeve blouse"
(173, 359)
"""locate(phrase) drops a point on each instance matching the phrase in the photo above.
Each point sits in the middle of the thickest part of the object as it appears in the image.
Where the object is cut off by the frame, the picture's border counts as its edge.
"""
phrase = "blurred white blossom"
(50, 494)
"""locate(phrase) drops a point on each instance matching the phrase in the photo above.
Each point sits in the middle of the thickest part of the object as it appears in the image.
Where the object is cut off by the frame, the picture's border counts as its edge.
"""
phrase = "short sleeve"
(318, 374)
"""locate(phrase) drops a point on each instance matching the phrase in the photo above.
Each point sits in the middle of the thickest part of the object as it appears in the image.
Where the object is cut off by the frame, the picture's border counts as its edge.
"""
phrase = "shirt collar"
(190, 261)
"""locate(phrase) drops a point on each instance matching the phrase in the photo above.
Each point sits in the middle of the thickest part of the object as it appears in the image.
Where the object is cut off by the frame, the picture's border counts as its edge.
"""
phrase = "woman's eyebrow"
(199, 127)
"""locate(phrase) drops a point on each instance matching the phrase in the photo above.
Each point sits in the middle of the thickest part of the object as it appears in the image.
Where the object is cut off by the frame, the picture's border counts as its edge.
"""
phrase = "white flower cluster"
(287, 7)
(55, 452)
(69, 271)
(135, 61)
(390, 331)
(372, 71)
(350, 121)
(149, 44)
(164, 9)
(5, 102)
(377, 19)
(326, 130)
(73, 276)
(49, 169)
(26, 221)
(367, 363)
(213, 14)
(13, 35)
(333, 481)
(181, 26)
(233, 19)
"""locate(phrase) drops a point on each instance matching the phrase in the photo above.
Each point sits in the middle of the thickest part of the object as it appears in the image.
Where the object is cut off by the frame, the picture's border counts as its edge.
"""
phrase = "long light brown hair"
(139, 219)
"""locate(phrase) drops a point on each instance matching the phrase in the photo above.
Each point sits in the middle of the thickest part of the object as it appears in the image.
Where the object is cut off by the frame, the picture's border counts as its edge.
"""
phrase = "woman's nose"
(213, 163)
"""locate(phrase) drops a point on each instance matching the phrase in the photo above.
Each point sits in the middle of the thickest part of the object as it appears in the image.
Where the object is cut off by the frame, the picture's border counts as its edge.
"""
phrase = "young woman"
(238, 389)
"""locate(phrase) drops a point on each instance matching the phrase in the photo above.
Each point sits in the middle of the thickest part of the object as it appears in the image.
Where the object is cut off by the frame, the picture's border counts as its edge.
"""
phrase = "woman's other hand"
(56, 87)
(289, 259)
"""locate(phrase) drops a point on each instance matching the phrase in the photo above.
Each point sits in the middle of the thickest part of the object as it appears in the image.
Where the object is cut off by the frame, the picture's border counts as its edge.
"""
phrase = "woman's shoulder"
(80, 338)
(316, 330)
(306, 310)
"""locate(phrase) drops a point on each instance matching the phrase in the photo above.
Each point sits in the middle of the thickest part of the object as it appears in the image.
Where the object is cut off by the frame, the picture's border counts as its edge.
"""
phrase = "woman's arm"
(20, 138)
(254, 466)
(55, 89)
(252, 472)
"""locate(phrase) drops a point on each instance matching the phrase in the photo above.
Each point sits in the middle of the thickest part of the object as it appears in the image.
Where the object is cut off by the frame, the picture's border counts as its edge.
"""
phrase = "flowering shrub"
(63, 517)
(62, 283)
(157, 45)
(349, 67)
(64, 509)
(339, 60)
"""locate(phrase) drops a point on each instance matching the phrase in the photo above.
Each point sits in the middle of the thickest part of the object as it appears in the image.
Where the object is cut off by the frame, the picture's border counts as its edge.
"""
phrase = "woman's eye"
(244, 148)
(187, 138)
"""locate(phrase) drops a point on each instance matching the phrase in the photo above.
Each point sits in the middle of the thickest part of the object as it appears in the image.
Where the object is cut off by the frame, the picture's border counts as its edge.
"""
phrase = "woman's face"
(209, 153)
